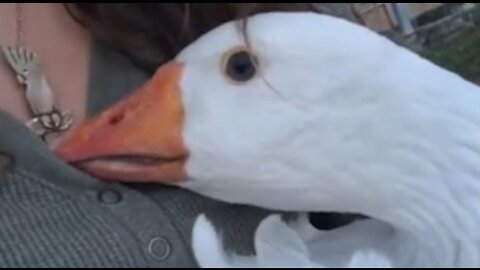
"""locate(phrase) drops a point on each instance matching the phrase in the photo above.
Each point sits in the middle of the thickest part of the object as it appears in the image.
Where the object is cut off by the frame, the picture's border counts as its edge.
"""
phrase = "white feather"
(208, 249)
(207, 245)
(277, 245)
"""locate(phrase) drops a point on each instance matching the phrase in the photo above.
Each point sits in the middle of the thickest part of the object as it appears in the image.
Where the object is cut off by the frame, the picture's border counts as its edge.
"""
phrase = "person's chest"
(61, 47)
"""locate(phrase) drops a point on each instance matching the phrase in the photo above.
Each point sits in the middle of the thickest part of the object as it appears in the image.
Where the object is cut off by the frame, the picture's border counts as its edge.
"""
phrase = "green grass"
(461, 55)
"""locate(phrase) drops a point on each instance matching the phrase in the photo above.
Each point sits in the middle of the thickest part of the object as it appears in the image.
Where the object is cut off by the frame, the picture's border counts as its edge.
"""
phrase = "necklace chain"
(20, 21)
(47, 118)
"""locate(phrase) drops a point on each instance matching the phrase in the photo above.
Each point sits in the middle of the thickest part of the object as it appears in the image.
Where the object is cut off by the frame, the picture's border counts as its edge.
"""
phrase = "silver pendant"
(47, 119)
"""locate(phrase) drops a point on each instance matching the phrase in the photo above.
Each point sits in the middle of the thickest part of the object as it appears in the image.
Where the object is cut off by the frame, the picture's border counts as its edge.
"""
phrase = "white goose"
(308, 113)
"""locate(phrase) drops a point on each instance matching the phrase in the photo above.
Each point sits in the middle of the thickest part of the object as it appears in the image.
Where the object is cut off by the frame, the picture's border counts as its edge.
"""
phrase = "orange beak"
(139, 139)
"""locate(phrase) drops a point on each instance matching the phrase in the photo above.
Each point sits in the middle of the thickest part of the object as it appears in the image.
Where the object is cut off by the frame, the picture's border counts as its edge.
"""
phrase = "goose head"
(301, 112)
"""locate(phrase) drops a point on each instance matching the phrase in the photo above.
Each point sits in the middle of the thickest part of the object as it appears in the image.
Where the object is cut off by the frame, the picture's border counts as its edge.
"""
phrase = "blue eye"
(241, 66)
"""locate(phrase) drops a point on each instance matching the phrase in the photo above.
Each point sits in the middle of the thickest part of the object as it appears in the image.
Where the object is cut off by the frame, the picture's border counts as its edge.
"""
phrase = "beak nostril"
(116, 119)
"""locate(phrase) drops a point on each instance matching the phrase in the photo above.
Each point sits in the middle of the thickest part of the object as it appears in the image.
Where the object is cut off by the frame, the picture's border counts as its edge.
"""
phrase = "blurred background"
(446, 33)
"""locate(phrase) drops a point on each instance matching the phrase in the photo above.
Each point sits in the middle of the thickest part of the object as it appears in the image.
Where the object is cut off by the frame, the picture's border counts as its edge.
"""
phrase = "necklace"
(46, 118)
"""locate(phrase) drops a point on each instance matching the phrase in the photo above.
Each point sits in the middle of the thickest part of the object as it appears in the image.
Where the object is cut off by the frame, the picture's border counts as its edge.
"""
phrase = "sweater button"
(110, 196)
(160, 248)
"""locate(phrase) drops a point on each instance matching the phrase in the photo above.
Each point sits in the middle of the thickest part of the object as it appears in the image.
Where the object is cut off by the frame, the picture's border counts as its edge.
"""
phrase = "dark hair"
(152, 33)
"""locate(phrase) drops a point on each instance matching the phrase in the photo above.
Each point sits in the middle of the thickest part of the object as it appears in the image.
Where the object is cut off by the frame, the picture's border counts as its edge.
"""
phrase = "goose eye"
(240, 66)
